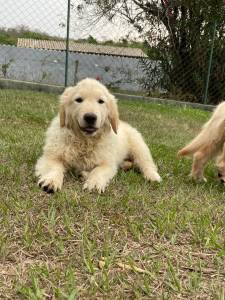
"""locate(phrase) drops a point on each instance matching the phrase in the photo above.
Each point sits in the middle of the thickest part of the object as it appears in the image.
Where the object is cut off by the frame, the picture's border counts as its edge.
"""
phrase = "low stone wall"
(48, 67)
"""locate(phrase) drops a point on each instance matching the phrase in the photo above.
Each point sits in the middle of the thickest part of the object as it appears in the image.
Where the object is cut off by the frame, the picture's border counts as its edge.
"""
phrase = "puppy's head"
(88, 107)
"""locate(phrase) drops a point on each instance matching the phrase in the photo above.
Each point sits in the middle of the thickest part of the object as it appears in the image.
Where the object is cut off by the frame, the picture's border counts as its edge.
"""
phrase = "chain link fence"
(167, 49)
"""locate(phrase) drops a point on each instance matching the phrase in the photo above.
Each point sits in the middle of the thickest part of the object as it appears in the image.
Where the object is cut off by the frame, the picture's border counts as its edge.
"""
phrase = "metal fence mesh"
(35, 20)
(169, 49)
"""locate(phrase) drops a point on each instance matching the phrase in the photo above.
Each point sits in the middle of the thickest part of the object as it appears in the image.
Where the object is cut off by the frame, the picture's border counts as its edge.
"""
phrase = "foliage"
(121, 43)
(5, 67)
(91, 40)
(178, 33)
(9, 36)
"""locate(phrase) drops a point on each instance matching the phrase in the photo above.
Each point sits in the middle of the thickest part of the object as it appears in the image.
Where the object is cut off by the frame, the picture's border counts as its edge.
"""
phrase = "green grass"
(136, 241)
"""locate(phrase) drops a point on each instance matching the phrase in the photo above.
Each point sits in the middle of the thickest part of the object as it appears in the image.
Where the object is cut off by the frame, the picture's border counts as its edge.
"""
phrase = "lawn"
(136, 241)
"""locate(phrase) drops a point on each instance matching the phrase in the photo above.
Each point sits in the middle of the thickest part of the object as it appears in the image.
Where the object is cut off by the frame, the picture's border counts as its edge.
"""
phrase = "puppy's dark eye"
(101, 101)
(79, 100)
(219, 174)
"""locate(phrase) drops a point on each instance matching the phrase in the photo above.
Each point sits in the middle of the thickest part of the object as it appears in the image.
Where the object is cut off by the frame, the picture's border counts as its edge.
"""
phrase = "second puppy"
(208, 144)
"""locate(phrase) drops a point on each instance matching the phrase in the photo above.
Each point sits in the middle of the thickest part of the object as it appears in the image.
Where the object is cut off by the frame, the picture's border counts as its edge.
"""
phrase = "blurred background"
(172, 49)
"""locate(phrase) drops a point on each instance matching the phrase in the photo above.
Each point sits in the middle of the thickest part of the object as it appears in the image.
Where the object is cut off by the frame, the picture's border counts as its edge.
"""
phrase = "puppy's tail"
(211, 134)
(193, 146)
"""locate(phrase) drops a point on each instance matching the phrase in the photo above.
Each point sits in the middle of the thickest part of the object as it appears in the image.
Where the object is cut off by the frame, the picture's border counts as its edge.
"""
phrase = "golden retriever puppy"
(87, 135)
(208, 144)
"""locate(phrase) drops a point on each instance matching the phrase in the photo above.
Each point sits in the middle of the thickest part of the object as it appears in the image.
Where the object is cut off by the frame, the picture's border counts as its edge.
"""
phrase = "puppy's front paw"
(84, 175)
(198, 178)
(152, 176)
(50, 184)
(95, 183)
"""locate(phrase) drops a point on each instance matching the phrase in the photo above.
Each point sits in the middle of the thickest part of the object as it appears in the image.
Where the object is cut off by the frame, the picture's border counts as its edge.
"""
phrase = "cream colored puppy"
(208, 144)
(87, 135)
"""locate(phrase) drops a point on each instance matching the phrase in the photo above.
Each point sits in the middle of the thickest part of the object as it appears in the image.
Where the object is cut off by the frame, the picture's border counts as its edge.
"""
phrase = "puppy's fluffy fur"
(94, 147)
(208, 144)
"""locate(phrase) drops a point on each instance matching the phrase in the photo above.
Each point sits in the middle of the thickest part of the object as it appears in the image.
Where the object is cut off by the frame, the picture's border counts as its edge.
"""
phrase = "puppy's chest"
(82, 156)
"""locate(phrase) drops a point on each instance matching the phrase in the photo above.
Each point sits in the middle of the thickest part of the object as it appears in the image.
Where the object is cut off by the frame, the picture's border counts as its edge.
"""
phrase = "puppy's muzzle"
(90, 119)
(90, 123)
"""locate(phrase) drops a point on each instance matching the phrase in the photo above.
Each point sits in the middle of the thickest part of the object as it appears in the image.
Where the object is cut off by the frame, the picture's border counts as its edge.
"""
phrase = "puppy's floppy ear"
(63, 98)
(113, 113)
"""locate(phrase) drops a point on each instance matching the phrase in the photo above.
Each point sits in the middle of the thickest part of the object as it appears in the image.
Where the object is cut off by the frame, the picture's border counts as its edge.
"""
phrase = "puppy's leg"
(50, 173)
(84, 175)
(142, 157)
(200, 158)
(220, 164)
(99, 177)
(126, 165)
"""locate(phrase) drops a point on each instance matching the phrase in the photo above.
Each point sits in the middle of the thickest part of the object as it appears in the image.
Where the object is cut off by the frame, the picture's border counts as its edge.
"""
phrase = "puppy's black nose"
(222, 180)
(90, 118)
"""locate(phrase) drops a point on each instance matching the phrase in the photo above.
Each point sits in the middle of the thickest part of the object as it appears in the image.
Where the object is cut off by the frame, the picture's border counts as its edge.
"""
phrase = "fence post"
(67, 43)
(205, 97)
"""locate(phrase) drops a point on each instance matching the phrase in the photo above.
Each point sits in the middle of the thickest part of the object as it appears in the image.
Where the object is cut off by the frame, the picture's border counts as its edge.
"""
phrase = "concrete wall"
(45, 66)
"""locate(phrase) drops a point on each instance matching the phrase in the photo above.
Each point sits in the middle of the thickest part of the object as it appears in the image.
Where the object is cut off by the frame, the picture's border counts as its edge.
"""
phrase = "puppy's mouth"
(89, 130)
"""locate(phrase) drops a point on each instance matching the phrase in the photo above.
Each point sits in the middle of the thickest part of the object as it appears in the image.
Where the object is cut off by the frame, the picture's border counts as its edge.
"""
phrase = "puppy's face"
(87, 107)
